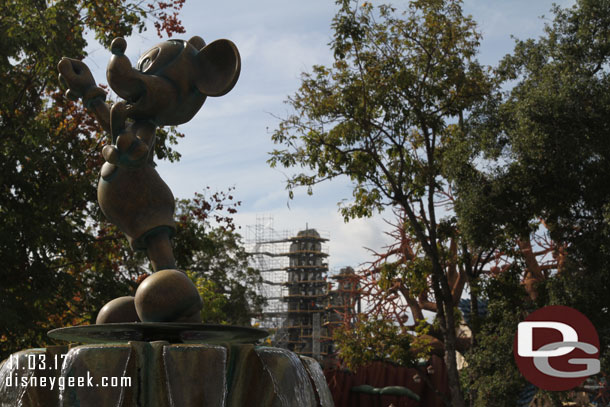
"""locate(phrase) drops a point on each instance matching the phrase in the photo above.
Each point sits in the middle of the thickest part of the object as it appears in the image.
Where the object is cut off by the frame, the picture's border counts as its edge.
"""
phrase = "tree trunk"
(457, 399)
(445, 314)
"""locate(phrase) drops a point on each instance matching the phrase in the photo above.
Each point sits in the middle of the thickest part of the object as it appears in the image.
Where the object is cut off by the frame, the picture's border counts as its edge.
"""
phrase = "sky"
(228, 142)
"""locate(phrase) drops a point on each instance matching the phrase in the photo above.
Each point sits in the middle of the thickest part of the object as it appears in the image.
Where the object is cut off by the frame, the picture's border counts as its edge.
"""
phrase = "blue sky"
(228, 141)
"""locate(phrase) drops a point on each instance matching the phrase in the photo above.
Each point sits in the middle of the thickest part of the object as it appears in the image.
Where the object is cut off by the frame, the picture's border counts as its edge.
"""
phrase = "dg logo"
(556, 348)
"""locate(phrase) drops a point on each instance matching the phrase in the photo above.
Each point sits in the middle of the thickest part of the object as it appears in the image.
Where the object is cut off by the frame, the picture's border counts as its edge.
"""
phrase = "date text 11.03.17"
(35, 361)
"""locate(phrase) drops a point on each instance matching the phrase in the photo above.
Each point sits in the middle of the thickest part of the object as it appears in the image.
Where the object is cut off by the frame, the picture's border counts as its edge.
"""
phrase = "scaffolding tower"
(294, 268)
(343, 303)
(304, 303)
(307, 292)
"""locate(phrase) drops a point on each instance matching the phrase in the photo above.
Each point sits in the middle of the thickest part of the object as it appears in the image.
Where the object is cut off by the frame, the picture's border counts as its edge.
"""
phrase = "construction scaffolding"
(343, 301)
(294, 270)
(307, 292)
(303, 304)
(262, 245)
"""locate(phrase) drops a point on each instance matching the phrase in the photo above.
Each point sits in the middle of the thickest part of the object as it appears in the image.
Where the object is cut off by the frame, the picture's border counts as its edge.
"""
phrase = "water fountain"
(152, 350)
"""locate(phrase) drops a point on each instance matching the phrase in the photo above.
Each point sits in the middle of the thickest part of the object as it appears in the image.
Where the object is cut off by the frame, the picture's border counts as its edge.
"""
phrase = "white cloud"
(291, 54)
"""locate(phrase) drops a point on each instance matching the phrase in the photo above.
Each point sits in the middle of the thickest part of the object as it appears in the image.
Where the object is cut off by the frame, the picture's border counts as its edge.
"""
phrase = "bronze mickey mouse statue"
(168, 86)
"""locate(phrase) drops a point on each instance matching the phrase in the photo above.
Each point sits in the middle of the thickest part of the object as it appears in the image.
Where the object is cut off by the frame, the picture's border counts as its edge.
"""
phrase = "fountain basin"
(162, 374)
(173, 332)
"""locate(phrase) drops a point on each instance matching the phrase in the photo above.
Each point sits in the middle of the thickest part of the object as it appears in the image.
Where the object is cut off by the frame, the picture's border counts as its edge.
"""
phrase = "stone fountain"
(152, 350)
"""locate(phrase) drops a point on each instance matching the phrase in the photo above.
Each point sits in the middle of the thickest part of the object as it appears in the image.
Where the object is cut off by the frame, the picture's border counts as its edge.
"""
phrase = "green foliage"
(584, 285)
(371, 339)
(553, 123)
(213, 302)
(547, 138)
(413, 274)
(216, 259)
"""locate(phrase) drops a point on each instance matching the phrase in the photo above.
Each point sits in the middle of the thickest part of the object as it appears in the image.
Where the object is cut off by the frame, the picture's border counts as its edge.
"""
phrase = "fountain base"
(162, 374)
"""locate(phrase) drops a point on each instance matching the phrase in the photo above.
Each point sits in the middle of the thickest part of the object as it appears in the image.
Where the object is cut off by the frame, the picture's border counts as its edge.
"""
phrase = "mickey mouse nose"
(118, 46)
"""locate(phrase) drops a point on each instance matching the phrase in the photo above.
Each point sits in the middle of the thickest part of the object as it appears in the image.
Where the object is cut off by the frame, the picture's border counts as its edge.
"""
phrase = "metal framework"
(302, 306)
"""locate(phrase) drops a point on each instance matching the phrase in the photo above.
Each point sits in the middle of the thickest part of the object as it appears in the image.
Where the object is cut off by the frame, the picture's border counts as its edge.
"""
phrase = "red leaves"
(141, 278)
(167, 21)
(207, 206)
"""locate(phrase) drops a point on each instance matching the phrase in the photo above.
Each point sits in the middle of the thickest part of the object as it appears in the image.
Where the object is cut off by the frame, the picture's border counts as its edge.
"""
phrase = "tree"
(552, 123)
(546, 138)
(60, 262)
(397, 284)
(370, 339)
(383, 115)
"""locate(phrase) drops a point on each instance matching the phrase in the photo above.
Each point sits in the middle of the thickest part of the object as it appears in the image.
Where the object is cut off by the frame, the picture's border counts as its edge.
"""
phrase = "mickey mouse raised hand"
(168, 86)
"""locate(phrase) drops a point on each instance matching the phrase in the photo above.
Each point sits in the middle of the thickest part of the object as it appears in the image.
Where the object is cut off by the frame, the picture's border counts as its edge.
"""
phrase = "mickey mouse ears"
(219, 67)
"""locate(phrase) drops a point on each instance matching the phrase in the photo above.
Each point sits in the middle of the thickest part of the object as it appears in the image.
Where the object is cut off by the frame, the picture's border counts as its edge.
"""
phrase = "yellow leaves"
(421, 346)
(373, 339)
(213, 301)
(450, 133)
(340, 64)
(417, 138)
